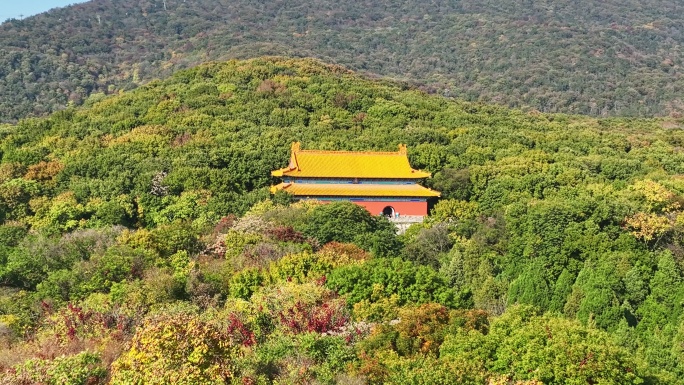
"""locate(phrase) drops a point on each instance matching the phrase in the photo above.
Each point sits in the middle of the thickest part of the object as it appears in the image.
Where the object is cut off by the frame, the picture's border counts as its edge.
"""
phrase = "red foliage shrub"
(328, 316)
(239, 332)
(224, 224)
(73, 323)
(286, 234)
(73, 329)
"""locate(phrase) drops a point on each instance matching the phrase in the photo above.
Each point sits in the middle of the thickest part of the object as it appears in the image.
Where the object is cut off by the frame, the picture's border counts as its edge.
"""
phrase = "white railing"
(402, 222)
(407, 219)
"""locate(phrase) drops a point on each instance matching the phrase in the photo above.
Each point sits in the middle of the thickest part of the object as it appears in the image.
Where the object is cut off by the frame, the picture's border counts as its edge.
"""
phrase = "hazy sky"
(15, 8)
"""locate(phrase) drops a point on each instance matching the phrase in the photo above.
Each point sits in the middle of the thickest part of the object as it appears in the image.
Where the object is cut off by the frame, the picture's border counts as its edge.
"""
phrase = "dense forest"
(592, 57)
(139, 242)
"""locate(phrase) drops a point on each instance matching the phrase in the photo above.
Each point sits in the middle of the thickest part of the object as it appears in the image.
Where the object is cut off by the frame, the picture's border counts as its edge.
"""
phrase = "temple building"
(382, 182)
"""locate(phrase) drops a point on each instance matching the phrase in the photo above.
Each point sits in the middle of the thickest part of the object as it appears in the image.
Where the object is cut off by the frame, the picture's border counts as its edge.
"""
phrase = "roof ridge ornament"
(296, 146)
(402, 149)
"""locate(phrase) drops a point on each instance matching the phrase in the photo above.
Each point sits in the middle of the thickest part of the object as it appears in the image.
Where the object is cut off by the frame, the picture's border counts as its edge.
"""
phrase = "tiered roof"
(349, 164)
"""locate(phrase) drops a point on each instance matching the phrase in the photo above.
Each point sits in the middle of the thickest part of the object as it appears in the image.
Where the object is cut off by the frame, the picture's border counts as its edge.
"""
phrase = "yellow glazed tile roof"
(369, 190)
(349, 164)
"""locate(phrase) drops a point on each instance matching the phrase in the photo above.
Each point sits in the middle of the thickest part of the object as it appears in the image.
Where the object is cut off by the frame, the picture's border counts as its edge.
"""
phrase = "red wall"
(404, 208)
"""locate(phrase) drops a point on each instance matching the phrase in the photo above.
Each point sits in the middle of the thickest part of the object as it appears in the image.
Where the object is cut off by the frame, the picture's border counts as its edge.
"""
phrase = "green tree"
(525, 346)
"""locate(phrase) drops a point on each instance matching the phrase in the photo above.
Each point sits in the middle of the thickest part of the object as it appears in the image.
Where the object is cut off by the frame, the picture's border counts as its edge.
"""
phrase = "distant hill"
(619, 58)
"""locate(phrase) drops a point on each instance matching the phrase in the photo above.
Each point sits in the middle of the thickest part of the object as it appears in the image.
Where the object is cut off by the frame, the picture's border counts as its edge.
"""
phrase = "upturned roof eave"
(399, 191)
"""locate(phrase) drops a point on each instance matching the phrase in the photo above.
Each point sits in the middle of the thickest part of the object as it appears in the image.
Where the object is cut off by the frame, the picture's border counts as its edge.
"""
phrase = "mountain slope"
(119, 229)
(589, 57)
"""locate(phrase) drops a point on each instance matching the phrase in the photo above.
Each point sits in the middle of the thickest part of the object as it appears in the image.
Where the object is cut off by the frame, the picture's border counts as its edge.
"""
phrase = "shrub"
(246, 282)
(329, 315)
(421, 329)
(470, 319)
(418, 330)
(38, 255)
(178, 348)
(172, 238)
(338, 221)
(524, 346)
(299, 268)
(115, 265)
(11, 234)
(296, 308)
(331, 354)
(340, 254)
(81, 369)
(378, 308)
(429, 245)
(209, 277)
(421, 370)
(413, 284)
(236, 243)
(75, 323)
(286, 234)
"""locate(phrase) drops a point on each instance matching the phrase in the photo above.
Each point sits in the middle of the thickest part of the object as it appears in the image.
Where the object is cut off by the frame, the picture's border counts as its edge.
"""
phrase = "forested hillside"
(617, 58)
(139, 243)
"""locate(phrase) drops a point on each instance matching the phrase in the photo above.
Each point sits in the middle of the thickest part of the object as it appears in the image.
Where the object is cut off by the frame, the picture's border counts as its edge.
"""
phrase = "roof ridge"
(297, 148)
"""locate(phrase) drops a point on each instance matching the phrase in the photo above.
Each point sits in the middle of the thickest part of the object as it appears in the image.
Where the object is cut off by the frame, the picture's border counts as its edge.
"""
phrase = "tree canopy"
(555, 255)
